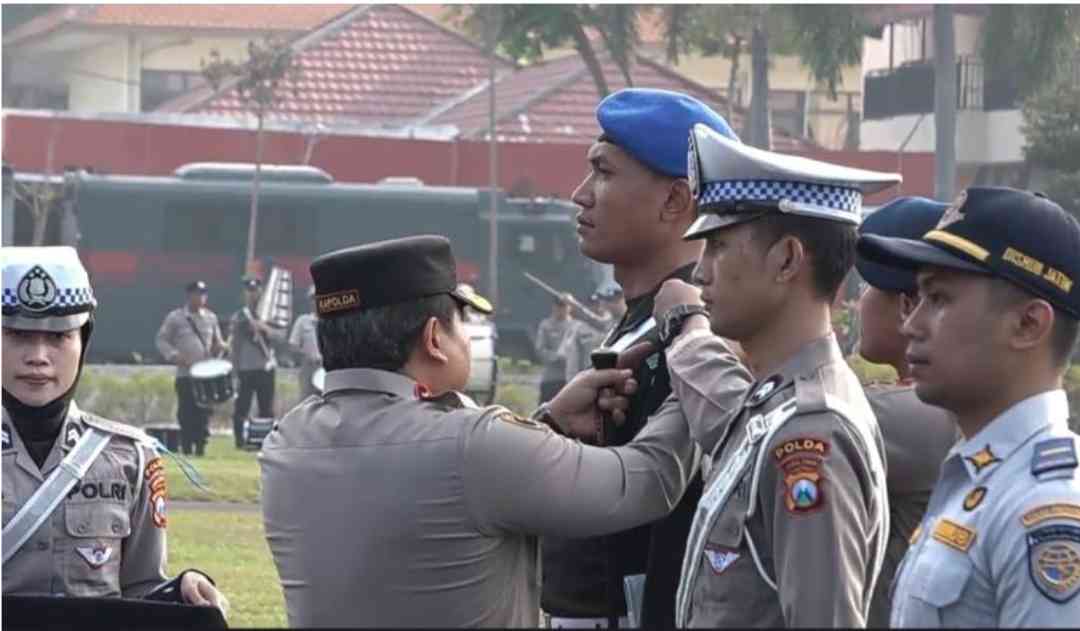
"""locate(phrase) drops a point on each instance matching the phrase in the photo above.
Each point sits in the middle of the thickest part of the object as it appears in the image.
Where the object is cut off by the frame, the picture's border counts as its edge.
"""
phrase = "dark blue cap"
(654, 126)
(903, 217)
(196, 286)
(1020, 236)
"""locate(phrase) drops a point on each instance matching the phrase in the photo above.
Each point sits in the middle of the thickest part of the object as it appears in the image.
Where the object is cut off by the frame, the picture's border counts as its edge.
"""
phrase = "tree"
(256, 81)
(41, 197)
(1052, 129)
(1031, 45)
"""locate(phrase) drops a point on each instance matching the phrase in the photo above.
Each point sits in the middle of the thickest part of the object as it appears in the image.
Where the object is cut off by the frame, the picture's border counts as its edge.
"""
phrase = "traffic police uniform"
(917, 436)
(304, 339)
(792, 524)
(191, 337)
(106, 535)
(386, 506)
(1000, 543)
(652, 126)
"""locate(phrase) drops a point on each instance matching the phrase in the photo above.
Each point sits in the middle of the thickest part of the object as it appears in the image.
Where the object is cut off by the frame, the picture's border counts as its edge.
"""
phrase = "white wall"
(981, 137)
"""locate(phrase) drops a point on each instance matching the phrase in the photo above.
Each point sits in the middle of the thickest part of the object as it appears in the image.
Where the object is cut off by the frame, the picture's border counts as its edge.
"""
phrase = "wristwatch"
(672, 323)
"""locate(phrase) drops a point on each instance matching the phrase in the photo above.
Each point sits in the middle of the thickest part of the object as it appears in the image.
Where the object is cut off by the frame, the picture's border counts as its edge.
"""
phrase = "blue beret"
(654, 126)
(904, 218)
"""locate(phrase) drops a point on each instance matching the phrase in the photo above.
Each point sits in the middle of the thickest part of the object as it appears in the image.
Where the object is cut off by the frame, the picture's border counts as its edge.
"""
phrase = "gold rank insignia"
(953, 534)
(974, 498)
(982, 459)
(1046, 512)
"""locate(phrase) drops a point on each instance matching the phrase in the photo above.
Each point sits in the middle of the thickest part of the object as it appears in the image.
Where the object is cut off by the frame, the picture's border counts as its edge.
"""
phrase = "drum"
(212, 382)
(255, 430)
(483, 372)
(318, 379)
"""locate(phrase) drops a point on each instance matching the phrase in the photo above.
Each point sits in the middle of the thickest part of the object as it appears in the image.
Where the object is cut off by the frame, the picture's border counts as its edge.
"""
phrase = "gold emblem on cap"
(954, 212)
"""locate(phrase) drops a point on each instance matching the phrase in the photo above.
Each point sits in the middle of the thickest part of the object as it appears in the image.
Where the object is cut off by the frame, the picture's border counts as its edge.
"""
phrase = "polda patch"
(155, 482)
(800, 461)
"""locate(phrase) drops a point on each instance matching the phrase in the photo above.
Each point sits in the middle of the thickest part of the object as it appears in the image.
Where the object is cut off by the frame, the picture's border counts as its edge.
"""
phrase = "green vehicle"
(144, 238)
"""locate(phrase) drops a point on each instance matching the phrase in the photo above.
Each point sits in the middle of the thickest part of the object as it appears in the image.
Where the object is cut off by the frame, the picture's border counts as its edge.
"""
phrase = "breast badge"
(953, 534)
(95, 556)
(801, 460)
(1054, 561)
(720, 558)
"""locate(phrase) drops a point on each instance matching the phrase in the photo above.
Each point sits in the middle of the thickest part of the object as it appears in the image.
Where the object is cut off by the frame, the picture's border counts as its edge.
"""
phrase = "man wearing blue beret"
(917, 436)
(635, 206)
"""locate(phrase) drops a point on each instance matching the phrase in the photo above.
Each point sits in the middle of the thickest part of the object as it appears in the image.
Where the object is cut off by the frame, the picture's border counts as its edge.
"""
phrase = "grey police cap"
(45, 289)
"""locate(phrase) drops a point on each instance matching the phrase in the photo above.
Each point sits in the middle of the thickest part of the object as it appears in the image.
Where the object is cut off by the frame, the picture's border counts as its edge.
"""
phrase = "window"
(159, 86)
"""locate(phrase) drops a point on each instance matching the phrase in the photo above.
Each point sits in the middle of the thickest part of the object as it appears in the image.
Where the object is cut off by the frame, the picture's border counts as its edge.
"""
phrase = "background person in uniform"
(252, 342)
(189, 334)
(107, 535)
(635, 206)
(917, 436)
(422, 509)
(305, 343)
(989, 341)
(549, 336)
(584, 337)
(792, 526)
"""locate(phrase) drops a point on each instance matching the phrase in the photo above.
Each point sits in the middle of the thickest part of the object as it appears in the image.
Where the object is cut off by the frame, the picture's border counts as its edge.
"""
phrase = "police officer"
(83, 497)
(635, 206)
(989, 341)
(586, 335)
(550, 335)
(792, 525)
(187, 335)
(305, 343)
(917, 436)
(391, 500)
(251, 342)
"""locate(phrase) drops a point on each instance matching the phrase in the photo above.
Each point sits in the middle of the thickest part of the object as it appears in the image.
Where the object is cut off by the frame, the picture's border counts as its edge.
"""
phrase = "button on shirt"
(1000, 546)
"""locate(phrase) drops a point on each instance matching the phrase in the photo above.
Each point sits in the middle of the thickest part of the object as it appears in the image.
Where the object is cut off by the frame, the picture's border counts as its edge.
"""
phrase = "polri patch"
(953, 534)
(1061, 510)
(96, 555)
(982, 459)
(974, 498)
(1053, 454)
(155, 482)
(1054, 561)
(720, 558)
(800, 461)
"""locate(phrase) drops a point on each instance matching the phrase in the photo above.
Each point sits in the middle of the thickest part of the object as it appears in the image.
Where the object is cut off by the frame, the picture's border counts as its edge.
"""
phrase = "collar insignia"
(36, 290)
(982, 459)
(954, 212)
(764, 390)
(5, 435)
(71, 435)
(95, 556)
(974, 498)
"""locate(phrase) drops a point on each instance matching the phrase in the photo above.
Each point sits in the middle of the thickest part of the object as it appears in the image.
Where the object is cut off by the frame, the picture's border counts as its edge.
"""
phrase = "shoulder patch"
(1061, 510)
(506, 416)
(800, 461)
(953, 534)
(155, 484)
(1054, 561)
(1053, 454)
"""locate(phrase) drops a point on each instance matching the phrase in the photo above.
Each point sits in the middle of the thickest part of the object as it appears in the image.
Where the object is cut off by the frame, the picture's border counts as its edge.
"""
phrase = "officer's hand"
(673, 293)
(577, 407)
(196, 589)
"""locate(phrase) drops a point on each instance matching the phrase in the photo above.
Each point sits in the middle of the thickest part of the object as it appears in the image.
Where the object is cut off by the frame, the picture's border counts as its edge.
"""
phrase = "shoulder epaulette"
(1052, 455)
(120, 429)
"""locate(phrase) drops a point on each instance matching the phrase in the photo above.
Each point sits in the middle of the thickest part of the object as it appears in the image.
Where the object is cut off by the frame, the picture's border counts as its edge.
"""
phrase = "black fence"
(909, 89)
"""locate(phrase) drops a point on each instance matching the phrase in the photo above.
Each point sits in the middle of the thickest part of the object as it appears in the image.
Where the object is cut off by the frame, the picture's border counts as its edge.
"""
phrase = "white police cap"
(45, 289)
(733, 183)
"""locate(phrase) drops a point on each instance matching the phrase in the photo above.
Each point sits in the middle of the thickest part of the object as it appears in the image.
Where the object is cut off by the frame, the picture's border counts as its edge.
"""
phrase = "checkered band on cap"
(45, 281)
(66, 298)
(848, 200)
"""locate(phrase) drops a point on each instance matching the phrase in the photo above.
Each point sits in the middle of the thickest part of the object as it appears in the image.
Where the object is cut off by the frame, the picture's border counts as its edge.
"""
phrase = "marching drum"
(212, 382)
(255, 430)
(318, 379)
(483, 372)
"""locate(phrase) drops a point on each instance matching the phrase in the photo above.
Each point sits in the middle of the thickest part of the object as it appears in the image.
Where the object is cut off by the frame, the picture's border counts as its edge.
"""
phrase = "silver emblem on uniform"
(95, 556)
(36, 290)
(5, 438)
(763, 391)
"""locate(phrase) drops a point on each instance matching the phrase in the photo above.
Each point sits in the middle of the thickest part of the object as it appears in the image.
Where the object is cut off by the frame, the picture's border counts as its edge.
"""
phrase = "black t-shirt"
(574, 581)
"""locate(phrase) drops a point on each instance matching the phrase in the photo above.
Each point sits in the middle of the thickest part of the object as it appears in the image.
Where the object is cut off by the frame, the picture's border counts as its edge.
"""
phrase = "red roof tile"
(249, 17)
(384, 65)
(556, 102)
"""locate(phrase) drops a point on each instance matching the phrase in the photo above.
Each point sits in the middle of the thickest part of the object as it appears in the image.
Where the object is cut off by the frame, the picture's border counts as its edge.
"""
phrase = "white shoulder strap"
(42, 503)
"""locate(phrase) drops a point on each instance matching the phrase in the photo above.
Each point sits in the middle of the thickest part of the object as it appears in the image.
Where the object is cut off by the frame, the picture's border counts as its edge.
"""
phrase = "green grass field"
(231, 474)
(231, 547)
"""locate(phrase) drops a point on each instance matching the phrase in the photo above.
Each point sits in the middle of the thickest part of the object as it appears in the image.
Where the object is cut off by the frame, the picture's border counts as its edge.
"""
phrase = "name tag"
(954, 535)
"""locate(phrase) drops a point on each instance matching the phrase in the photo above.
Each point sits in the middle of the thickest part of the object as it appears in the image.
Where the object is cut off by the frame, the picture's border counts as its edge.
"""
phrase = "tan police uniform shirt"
(107, 537)
(917, 438)
(383, 509)
(816, 523)
(177, 338)
(245, 352)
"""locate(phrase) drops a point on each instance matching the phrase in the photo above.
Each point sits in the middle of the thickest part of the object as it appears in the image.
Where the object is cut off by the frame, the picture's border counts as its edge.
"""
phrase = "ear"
(785, 259)
(1030, 323)
(679, 204)
(432, 341)
(907, 304)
